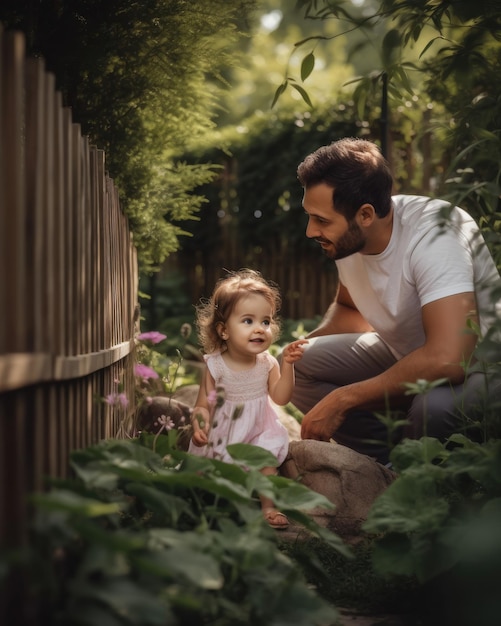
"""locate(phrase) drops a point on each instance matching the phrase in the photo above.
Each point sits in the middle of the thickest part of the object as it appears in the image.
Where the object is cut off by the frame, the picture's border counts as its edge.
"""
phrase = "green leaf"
(393, 555)
(160, 502)
(255, 457)
(124, 598)
(391, 43)
(291, 494)
(412, 503)
(307, 65)
(76, 504)
(416, 452)
(212, 483)
(280, 90)
(303, 93)
(183, 562)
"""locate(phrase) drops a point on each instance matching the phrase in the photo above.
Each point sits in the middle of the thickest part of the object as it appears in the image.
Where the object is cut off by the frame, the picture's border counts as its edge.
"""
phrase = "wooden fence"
(68, 288)
(307, 281)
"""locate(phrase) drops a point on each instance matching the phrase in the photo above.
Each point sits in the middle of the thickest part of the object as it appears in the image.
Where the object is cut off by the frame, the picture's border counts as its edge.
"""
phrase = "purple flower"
(122, 400)
(144, 372)
(111, 399)
(153, 336)
(117, 399)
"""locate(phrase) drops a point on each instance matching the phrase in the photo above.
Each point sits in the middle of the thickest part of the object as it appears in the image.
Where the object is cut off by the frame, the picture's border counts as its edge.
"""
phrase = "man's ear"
(366, 214)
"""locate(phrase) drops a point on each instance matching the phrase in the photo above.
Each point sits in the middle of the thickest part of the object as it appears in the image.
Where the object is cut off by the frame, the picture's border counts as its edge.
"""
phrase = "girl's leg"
(272, 515)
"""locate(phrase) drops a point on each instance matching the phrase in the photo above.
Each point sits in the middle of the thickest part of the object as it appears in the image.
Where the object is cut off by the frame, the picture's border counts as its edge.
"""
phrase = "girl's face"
(248, 328)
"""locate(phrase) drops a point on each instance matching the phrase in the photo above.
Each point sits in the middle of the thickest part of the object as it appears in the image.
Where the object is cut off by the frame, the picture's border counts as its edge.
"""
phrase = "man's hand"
(322, 421)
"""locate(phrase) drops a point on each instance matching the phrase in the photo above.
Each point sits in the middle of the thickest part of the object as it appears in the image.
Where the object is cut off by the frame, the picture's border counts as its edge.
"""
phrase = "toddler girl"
(236, 327)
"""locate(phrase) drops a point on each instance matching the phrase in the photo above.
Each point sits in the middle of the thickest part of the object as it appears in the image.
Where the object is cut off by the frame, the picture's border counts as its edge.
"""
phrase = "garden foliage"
(162, 537)
(440, 521)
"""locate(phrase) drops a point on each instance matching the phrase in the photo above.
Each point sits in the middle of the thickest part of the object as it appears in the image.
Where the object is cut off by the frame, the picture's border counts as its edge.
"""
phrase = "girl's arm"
(200, 416)
(281, 380)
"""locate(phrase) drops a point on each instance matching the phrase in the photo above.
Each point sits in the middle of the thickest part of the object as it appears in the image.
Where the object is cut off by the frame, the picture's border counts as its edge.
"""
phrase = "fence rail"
(68, 288)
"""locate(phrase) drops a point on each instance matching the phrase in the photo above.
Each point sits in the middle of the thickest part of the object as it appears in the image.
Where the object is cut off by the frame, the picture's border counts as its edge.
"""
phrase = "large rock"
(351, 481)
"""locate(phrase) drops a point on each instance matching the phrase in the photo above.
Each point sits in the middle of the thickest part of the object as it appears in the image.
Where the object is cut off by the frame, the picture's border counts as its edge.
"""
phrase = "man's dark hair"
(357, 171)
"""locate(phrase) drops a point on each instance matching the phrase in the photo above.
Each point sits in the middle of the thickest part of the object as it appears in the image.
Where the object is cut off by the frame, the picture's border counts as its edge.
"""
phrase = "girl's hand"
(293, 351)
(200, 420)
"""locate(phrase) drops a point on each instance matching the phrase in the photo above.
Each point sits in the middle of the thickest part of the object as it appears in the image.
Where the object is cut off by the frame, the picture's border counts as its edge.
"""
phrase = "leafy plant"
(144, 537)
(439, 521)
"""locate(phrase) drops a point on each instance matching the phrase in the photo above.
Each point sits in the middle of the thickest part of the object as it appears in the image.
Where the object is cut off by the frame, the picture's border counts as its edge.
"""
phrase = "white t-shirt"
(433, 252)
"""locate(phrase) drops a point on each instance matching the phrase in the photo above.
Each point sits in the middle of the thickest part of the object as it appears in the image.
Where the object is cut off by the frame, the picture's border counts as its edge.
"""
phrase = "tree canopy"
(142, 78)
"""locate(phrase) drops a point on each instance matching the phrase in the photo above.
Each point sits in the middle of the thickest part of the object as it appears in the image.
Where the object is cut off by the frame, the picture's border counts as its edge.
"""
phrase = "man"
(414, 275)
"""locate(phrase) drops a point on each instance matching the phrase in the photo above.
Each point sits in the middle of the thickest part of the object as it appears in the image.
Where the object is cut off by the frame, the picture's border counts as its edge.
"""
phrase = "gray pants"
(332, 361)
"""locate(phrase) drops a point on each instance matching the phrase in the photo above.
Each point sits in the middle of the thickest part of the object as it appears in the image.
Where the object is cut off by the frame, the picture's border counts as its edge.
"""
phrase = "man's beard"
(352, 241)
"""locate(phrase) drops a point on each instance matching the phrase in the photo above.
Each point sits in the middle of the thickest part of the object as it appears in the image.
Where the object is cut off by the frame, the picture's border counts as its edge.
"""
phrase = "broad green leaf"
(416, 452)
(95, 477)
(198, 568)
(307, 65)
(255, 457)
(412, 503)
(211, 484)
(292, 494)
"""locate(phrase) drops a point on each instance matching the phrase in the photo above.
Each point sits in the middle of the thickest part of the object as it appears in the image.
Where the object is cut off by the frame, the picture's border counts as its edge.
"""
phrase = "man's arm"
(447, 346)
(342, 317)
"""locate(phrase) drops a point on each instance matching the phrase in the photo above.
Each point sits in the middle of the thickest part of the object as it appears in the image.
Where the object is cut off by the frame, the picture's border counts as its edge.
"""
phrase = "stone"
(351, 481)
(178, 411)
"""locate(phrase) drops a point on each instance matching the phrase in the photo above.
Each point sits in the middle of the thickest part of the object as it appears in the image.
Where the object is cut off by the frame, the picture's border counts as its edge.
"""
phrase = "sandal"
(276, 519)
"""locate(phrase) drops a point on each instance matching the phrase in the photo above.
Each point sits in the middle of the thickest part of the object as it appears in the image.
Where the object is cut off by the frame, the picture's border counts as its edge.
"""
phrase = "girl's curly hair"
(227, 292)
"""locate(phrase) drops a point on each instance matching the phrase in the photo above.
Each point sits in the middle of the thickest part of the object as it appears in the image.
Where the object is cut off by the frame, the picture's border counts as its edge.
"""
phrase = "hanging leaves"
(307, 66)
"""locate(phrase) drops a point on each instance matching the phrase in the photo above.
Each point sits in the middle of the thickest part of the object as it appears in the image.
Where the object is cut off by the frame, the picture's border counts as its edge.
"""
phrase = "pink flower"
(122, 400)
(165, 422)
(144, 372)
(117, 399)
(153, 336)
(110, 399)
(212, 397)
